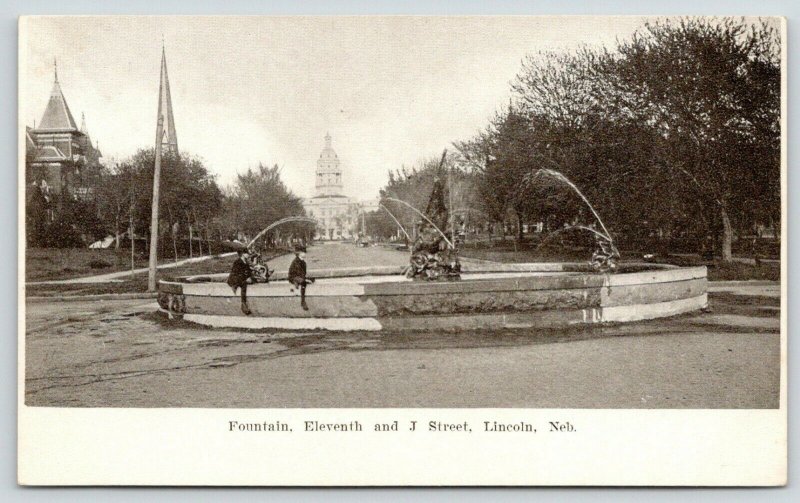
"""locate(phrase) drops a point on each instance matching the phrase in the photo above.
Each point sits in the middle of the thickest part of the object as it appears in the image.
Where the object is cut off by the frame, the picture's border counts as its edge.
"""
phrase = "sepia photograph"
(402, 212)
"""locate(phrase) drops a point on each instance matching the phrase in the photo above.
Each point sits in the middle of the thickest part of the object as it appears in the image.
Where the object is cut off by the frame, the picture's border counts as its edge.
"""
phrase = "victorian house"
(60, 157)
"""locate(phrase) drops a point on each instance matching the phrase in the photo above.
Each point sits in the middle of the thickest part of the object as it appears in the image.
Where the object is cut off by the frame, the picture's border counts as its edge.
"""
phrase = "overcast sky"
(390, 90)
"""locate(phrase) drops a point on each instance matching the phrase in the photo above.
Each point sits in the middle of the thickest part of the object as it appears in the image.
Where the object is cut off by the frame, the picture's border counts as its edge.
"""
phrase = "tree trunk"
(727, 235)
(175, 247)
(207, 238)
(116, 229)
(131, 229)
(133, 243)
(199, 239)
(191, 254)
(520, 233)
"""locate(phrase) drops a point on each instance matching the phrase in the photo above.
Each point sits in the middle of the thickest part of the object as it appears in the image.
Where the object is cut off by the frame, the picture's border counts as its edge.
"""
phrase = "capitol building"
(337, 215)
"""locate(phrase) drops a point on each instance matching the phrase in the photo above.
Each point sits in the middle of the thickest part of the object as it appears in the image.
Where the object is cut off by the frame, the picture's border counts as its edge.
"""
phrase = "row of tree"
(672, 134)
(196, 214)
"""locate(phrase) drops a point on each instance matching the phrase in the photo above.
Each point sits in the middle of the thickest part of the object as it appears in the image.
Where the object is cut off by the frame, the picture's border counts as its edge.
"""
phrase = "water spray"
(563, 179)
(450, 243)
(602, 258)
(395, 220)
(282, 221)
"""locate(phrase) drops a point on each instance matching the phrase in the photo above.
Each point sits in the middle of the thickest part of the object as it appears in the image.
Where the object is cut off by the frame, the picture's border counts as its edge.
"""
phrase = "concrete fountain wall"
(489, 295)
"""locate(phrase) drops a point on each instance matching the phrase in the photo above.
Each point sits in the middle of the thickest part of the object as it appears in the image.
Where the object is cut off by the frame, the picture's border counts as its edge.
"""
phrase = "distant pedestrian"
(754, 249)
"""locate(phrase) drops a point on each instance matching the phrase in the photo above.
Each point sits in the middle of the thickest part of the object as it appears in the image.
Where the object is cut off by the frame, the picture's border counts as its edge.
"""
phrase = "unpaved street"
(121, 354)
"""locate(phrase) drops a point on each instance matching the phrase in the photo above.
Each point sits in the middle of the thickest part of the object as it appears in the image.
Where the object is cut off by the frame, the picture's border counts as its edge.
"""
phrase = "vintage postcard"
(402, 250)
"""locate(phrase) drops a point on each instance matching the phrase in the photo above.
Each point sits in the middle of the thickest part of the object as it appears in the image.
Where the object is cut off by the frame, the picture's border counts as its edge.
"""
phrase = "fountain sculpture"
(434, 256)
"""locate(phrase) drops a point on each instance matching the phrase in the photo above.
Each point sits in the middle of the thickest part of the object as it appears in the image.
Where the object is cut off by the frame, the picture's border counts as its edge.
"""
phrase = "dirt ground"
(121, 354)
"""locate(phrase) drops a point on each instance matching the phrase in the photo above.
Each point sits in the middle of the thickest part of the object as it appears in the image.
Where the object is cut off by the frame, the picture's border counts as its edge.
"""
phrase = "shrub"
(99, 264)
(62, 234)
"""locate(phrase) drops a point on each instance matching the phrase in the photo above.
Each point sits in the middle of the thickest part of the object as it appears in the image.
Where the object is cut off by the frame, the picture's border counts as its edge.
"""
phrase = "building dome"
(329, 173)
(328, 154)
(334, 212)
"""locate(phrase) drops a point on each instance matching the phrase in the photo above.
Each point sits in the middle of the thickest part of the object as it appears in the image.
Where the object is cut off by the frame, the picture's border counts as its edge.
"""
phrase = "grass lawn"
(138, 282)
(730, 271)
(717, 271)
(48, 264)
(44, 264)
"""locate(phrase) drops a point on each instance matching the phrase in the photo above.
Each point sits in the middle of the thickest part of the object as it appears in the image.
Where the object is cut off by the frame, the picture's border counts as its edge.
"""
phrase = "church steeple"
(84, 129)
(169, 139)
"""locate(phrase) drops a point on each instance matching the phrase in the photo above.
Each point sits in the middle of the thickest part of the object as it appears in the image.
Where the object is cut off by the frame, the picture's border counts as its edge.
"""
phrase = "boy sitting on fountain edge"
(240, 275)
(297, 274)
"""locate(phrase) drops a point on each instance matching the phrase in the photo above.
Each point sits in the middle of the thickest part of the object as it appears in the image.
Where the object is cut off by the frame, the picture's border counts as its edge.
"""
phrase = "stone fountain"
(487, 296)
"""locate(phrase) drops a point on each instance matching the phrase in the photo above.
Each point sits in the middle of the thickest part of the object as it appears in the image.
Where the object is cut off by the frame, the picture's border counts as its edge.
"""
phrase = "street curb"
(105, 296)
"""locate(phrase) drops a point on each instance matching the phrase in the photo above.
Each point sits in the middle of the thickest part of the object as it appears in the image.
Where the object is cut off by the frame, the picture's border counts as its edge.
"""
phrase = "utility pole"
(450, 201)
(151, 275)
(130, 222)
(449, 196)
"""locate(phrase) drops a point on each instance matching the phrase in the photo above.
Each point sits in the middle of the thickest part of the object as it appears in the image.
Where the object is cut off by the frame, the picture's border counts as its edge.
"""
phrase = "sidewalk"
(747, 288)
(114, 277)
(743, 260)
(94, 297)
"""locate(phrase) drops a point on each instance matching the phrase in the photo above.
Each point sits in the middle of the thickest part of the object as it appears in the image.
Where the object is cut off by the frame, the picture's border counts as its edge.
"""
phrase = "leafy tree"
(257, 199)
(677, 125)
(380, 224)
(413, 186)
(711, 90)
(189, 196)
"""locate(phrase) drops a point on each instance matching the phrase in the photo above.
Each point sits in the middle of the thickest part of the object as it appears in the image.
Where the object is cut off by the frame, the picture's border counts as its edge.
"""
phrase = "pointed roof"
(169, 137)
(84, 129)
(57, 115)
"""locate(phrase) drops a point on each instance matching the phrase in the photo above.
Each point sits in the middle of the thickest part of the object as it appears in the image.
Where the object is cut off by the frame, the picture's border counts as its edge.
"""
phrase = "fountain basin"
(489, 295)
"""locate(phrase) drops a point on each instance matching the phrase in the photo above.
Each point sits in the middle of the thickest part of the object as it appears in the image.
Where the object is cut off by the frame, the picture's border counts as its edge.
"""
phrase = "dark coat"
(297, 271)
(240, 272)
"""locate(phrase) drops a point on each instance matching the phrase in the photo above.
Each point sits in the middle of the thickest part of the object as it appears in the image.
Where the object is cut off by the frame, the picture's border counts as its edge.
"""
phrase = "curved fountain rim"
(516, 301)
(487, 267)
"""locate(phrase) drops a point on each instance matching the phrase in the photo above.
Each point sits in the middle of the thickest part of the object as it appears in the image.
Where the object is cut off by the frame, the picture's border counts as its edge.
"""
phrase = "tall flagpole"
(151, 275)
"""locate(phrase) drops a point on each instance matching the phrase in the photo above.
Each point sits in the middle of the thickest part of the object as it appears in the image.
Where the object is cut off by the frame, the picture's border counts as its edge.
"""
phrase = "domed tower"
(329, 174)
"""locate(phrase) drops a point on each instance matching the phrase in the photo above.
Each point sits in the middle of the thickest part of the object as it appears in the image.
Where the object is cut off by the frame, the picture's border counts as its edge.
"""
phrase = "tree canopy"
(672, 133)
